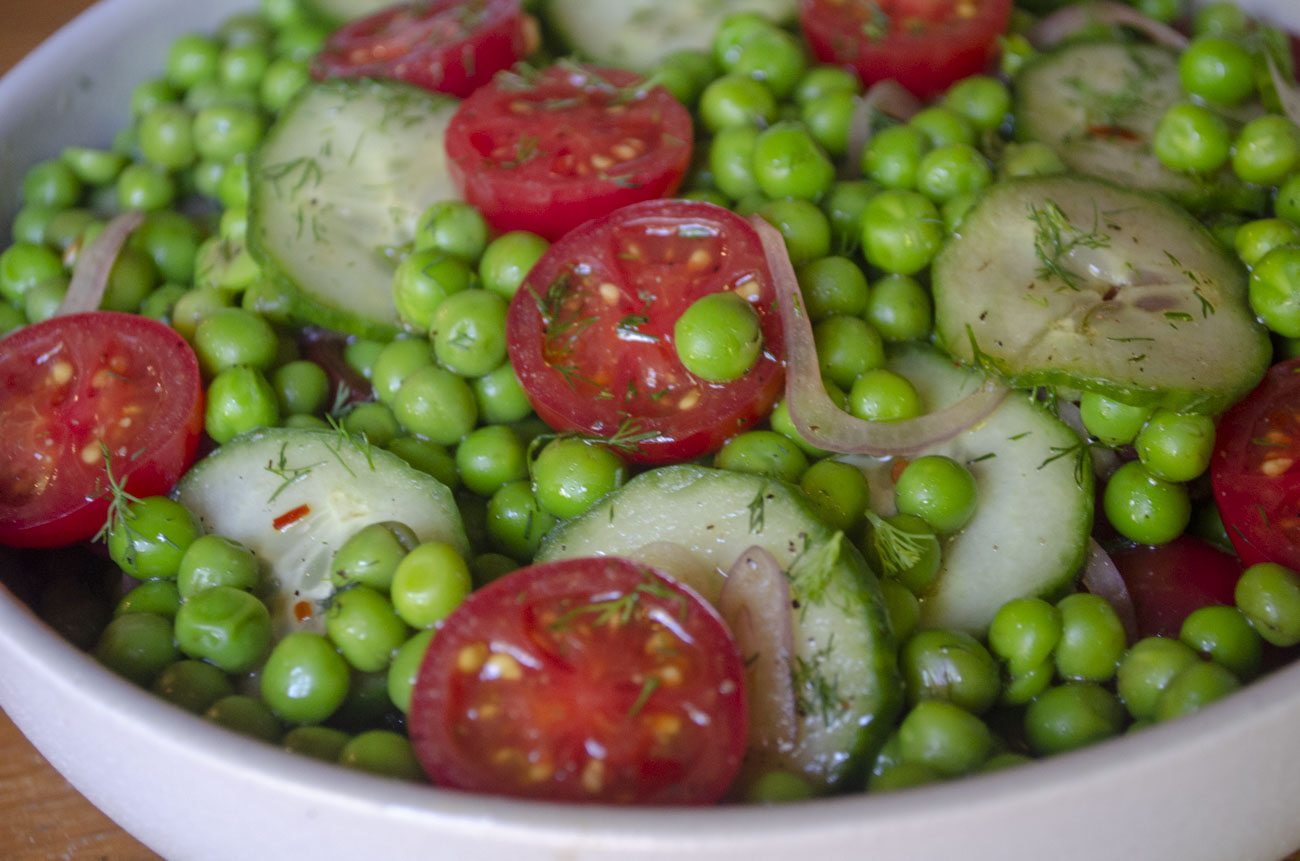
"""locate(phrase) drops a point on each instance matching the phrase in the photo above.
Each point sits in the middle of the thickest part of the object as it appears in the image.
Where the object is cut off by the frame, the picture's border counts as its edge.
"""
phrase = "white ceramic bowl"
(1219, 785)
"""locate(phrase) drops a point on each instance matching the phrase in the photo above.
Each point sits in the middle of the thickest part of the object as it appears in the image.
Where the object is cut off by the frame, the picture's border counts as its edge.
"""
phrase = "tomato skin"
(925, 45)
(1170, 581)
(583, 680)
(1255, 469)
(115, 364)
(428, 44)
(585, 369)
(549, 153)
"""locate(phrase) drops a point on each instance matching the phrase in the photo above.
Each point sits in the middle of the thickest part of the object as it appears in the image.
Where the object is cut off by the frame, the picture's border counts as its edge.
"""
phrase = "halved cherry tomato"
(1255, 469)
(1170, 581)
(925, 45)
(80, 394)
(448, 46)
(596, 679)
(590, 331)
(547, 151)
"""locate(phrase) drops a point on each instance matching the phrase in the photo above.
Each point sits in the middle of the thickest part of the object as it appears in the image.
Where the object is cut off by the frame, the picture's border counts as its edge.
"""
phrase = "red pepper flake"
(290, 517)
(897, 467)
(302, 611)
(1113, 132)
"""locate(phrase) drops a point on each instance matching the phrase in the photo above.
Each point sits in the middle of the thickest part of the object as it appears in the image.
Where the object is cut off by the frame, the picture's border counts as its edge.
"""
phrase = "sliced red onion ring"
(756, 604)
(1069, 20)
(815, 415)
(95, 264)
(1287, 93)
(887, 97)
(1102, 578)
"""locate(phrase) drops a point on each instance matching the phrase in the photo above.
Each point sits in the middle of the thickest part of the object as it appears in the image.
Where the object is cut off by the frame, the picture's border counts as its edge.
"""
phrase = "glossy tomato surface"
(1169, 581)
(79, 394)
(549, 150)
(925, 45)
(448, 46)
(591, 330)
(1255, 469)
(596, 679)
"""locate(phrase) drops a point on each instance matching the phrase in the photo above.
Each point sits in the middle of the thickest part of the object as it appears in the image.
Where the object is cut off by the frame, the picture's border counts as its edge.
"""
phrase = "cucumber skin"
(684, 499)
(1254, 353)
(301, 306)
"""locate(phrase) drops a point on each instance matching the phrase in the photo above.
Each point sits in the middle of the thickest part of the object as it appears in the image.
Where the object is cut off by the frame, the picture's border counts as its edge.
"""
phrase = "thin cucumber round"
(336, 191)
(1076, 283)
(844, 671)
(1033, 475)
(293, 496)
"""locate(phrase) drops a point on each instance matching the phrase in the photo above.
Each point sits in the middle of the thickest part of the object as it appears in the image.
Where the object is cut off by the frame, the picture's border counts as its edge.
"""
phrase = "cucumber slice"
(636, 34)
(1073, 282)
(294, 496)
(335, 12)
(337, 188)
(845, 671)
(1029, 535)
(1097, 104)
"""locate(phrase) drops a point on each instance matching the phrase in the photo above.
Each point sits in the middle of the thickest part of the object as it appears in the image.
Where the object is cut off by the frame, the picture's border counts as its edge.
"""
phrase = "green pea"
(901, 231)
(1020, 689)
(1032, 158)
(452, 227)
(1113, 422)
(171, 241)
(1269, 595)
(719, 337)
(893, 156)
(1024, 632)
(226, 627)
(1274, 290)
(903, 548)
(828, 119)
(951, 666)
(150, 93)
(776, 787)
(762, 452)
(166, 136)
(137, 646)
(214, 560)
(469, 332)
(824, 79)
(232, 336)
(1191, 138)
(364, 626)
(899, 308)
(1176, 446)
(802, 225)
(1216, 69)
(371, 421)
(847, 347)
(225, 130)
(772, 56)
(880, 395)
(24, 265)
(507, 260)
(145, 188)
(789, 163)
(246, 716)
(1225, 636)
(1147, 669)
(429, 583)
(239, 399)
(951, 171)
(382, 752)
(370, 555)
(405, 668)
(736, 100)
(1267, 150)
(984, 101)
(731, 161)
(832, 285)
(1092, 638)
(1256, 238)
(1144, 508)
(318, 742)
(192, 685)
(93, 166)
(149, 539)
(436, 403)
(1071, 716)
(427, 456)
(939, 490)
(160, 597)
(304, 679)
(945, 737)
(242, 66)
(901, 606)
(489, 458)
(43, 300)
(839, 493)
(1195, 687)
(500, 397)
(516, 521)
(367, 704)
(192, 59)
(1220, 19)
(395, 362)
(50, 183)
(843, 206)
(301, 387)
(284, 77)
(942, 125)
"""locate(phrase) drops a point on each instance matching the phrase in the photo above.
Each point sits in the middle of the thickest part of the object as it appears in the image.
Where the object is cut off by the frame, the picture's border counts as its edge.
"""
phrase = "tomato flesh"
(448, 46)
(1168, 582)
(74, 388)
(590, 331)
(596, 679)
(1255, 469)
(545, 153)
(925, 45)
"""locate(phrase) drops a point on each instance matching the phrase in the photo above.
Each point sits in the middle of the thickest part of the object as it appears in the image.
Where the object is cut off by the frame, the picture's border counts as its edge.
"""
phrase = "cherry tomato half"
(925, 45)
(1171, 580)
(596, 679)
(448, 46)
(548, 151)
(1255, 469)
(590, 331)
(74, 388)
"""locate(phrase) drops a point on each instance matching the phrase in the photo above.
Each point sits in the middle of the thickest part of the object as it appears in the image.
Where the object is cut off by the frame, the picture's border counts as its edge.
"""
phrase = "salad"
(721, 424)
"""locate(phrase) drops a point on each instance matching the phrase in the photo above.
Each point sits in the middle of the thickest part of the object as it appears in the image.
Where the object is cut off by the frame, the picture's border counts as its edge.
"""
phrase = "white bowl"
(1219, 785)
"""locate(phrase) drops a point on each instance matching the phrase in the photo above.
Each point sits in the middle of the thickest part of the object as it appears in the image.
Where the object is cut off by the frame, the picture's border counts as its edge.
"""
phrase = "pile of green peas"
(194, 626)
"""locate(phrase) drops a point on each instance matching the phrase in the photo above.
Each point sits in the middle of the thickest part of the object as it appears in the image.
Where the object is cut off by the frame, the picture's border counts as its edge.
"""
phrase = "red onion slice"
(756, 604)
(95, 264)
(1069, 20)
(887, 97)
(815, 415)
(1287, 93)
(1102, 578)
